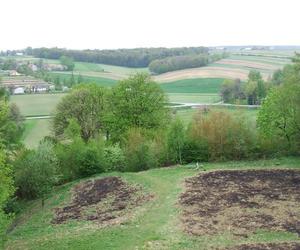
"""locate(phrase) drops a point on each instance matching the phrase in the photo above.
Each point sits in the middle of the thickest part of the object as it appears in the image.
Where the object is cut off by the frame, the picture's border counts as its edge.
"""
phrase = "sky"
(111, 24)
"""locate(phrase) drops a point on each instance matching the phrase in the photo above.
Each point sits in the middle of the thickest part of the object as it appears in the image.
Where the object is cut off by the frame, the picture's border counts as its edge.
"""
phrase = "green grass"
(156, 225)
(36, 104)
(102, 81)
(193, 98)
(186, 115)
(35, 131)
(198, 85)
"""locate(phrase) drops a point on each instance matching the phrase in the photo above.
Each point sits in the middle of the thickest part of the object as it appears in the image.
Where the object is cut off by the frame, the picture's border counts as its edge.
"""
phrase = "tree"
(11, 124)
(231, 90)
(36, 172)
(6, 190)
(136, 102)
(68, 62)
(255, 88)
(176, 140)
(86, 104)
(280, 114)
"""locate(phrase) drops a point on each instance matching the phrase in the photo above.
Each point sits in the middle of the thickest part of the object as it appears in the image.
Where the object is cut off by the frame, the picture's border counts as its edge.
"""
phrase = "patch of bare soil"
(267, 246)
(241, 202)
(103, 200)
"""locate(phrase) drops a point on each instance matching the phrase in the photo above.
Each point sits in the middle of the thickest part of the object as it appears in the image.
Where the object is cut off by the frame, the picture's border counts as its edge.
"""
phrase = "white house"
(19, 90)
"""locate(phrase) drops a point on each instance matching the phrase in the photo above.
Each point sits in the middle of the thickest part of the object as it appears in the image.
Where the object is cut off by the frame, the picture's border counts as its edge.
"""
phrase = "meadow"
(157, 224)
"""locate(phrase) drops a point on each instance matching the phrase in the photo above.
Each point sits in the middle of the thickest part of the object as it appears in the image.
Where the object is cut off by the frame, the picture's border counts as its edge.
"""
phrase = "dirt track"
(242, 202)
(103, 200)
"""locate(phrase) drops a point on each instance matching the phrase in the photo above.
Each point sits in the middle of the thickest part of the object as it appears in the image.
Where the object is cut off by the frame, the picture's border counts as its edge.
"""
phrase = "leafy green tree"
(255, 88)
(176, 140)
(11, 124)
(231, 90)
(86, 104)
(136, 102)
(68, 62)
(36, 172)
(6, 190)
(280, 114)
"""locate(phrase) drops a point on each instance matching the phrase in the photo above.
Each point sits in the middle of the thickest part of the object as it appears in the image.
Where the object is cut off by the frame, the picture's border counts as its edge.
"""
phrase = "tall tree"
(86, 104)
(280, 114)
(136, 102)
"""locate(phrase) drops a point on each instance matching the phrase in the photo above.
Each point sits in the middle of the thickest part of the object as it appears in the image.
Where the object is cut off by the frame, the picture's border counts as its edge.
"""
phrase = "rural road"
(221, 104)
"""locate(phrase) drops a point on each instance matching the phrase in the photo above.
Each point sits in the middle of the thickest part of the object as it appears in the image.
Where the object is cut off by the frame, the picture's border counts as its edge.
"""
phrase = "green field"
(193, 98)
(155, 225)
(36, 104)
(198, 85)
(186, 114)
(35, 131)
(105, 82)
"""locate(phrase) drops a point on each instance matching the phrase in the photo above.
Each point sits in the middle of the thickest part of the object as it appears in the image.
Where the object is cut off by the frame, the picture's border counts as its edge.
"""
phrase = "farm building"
(22, 84)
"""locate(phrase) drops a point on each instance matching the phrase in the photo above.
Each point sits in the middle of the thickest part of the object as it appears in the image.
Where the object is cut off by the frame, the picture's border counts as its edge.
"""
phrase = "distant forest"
(159, 60)
(140, 57)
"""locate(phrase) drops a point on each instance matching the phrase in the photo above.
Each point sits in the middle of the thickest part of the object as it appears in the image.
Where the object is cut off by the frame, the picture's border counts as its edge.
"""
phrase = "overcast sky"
(82, 24)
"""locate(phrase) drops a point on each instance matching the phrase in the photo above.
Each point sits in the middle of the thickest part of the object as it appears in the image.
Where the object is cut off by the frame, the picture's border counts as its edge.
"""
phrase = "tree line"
(139, 57)
(159, 66)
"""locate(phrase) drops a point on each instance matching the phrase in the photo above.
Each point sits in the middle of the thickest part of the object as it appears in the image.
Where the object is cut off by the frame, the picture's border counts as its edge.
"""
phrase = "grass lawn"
(187, 114)
(193, 98)
(198, 85)
(36, 104)
(102, 81)
(35, 131)
(155, 225)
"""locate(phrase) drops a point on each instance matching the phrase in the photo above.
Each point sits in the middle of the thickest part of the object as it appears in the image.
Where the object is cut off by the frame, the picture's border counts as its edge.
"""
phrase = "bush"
(79, 159)
(228, 137)
(139, 152)
(35, 172)
(114, 158)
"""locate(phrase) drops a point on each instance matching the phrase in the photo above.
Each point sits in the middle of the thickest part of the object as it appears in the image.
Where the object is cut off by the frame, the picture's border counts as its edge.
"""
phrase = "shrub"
(114, 158)
(139, 152)
(227, 136)
(176, 140)
(35, 172)
(79, 159)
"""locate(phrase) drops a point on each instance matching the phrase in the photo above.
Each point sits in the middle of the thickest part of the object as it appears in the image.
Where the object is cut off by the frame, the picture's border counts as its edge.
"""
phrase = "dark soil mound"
(241, 202)
(101, 200)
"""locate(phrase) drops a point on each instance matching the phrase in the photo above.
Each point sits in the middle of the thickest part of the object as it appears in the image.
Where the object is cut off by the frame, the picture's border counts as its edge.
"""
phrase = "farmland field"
(35, 131)
(160, 222)
(193, 98)
(36, 104)
(186, 114)
(200, 85)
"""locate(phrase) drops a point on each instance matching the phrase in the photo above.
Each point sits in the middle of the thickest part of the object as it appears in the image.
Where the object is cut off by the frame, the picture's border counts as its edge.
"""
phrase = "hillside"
(156, 222)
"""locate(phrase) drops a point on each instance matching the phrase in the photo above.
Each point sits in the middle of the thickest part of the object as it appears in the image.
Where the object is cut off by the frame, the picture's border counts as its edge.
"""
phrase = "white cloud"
(139, 23)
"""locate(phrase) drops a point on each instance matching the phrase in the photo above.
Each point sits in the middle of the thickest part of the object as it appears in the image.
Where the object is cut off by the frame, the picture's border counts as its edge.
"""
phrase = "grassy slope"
(156, 225)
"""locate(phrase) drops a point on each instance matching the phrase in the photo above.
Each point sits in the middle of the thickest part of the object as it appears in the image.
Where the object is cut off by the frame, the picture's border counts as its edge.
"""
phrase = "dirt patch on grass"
(241, 202)
(267, 246)
(103, 200)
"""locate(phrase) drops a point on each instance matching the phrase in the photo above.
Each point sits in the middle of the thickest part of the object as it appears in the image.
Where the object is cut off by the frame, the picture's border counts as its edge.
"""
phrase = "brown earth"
(241, 202)
(204, 72)
(267, 246)
(103, 200)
